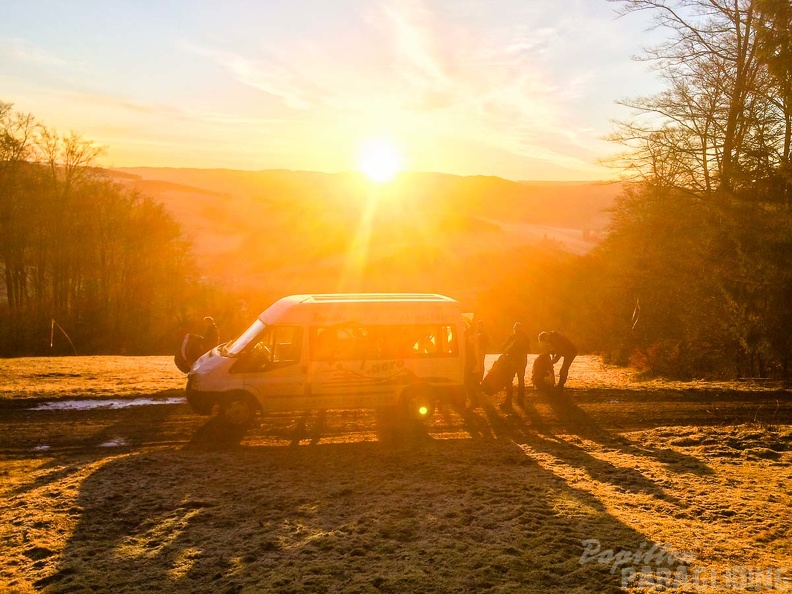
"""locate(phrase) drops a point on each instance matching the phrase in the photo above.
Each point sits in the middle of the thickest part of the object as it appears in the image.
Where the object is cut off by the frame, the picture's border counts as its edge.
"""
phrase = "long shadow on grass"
(135, 426)
(574, 419)
(103, 433)
(538, 438)
(431, 516)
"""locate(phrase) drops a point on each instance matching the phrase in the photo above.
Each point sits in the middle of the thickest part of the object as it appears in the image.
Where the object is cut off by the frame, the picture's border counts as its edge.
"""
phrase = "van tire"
(418, 402)
(238, 409)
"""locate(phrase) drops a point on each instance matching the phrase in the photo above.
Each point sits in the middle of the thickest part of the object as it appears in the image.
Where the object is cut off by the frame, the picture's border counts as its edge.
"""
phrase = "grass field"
(615, 486)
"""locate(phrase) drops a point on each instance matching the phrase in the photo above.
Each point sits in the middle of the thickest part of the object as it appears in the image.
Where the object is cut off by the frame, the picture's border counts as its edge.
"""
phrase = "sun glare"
(379, 161)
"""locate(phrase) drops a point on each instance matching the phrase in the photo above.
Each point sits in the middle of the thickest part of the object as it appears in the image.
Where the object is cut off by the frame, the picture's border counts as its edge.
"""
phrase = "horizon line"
(357, 173)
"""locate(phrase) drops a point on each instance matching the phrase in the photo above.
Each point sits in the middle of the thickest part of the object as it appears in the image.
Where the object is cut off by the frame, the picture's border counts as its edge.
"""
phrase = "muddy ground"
(617, 485)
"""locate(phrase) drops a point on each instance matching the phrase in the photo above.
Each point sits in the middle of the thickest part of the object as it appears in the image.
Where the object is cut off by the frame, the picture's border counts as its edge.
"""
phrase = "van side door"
(343, 368)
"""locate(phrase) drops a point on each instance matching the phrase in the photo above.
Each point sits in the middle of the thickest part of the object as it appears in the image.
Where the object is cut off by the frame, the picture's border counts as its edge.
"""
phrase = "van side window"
(435, 340)
(276, 346)
(351, 341)
(286, 344)
(339, 343)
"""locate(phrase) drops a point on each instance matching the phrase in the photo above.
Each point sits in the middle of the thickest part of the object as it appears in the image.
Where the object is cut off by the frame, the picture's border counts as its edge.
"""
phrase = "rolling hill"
(276, 232)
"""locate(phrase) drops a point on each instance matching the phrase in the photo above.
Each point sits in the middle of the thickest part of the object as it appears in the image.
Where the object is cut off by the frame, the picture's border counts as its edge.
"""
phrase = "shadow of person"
(528, 429)
(396, 428)
(536, 421)
(571, 418)
(506, 423)
(216, 435)
(477, 426)
(303, 430)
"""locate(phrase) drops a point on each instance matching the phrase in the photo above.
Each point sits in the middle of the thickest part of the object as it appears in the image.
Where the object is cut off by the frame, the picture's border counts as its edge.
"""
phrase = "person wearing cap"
(516, 350)
(210, 336)
(559, 347)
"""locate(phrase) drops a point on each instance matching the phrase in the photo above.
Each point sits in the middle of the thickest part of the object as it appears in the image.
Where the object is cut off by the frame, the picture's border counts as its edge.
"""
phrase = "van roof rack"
(376, 297)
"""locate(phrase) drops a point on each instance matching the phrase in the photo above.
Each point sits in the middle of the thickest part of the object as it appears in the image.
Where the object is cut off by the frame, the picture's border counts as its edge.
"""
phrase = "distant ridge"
(152, 185)
(296, 228)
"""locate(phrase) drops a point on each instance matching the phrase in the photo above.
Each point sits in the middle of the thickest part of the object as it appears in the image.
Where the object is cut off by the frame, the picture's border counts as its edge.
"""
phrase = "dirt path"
(24, 431)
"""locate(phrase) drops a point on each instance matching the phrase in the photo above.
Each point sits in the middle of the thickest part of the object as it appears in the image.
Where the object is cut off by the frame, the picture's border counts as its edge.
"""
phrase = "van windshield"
(238, 345)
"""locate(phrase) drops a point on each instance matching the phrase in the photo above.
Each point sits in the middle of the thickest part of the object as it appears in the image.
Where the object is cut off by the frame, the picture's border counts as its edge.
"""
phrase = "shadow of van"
(387, 424)
(442, 515)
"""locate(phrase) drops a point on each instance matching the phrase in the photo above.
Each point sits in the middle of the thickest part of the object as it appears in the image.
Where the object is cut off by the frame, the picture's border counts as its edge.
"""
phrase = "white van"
(313, 352)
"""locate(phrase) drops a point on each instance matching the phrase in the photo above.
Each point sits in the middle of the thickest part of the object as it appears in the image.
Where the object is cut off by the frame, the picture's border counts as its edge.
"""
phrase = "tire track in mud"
(24, 431)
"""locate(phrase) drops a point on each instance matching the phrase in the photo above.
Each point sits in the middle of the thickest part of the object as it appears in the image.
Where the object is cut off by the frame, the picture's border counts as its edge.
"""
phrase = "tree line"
(695, 277)
(83, 257)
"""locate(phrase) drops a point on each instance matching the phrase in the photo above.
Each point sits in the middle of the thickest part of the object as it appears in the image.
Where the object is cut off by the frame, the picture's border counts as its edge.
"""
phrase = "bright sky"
(521, 89)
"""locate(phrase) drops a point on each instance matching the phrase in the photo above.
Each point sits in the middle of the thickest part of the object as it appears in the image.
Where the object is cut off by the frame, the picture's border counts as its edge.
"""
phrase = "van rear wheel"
(237, 410)
(418, 402)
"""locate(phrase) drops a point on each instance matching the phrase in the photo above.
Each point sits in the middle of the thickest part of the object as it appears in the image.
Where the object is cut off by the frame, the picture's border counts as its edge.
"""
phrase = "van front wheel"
(418, 402)
(237, 410)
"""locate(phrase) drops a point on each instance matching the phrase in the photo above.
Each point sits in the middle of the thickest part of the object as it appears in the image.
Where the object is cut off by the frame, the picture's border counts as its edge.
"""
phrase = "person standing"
(471, 373)
(481, 346)
(211, 336)
(559, 347)
(516, 351)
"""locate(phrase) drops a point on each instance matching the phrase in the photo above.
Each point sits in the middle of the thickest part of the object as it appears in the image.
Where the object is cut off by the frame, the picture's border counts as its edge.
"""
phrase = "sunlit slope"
(315, 229)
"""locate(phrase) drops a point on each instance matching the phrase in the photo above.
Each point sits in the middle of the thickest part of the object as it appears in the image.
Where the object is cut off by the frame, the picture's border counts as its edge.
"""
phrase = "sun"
(379, 160)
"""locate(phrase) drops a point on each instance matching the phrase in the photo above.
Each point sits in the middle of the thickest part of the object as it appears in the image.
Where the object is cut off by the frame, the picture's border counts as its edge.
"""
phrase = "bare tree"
(714, 80)
(775, 37)
(67, 159)
(17, 143)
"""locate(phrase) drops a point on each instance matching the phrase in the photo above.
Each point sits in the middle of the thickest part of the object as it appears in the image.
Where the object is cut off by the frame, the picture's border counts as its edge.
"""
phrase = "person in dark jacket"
(210, 336)
(516, 350)
(542, 373)
(559, 347)
(481, 346)
(471, 377)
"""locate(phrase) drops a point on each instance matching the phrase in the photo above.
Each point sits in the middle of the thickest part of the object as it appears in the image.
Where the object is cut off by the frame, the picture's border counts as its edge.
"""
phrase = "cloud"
(124, 104)
(266, 73)
(432, 73)
(449, 66)
(421, 59)
(165, 112)
(21, 50)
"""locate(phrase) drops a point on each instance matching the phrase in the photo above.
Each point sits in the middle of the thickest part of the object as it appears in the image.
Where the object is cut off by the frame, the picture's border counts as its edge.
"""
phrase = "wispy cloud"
(266, 73)
(473, 85)
(489, 86)
(124, 104)
(421, 60)
(21, 50)
(439, 76)
(424, 70)
(420, 63)
(127, 108)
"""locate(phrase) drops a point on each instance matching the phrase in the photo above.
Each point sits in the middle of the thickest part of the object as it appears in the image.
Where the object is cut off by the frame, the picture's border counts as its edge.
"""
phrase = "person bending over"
(559, 347)
(542, 373)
